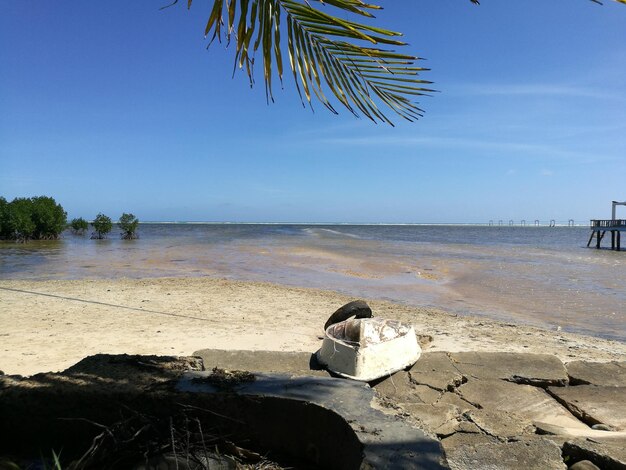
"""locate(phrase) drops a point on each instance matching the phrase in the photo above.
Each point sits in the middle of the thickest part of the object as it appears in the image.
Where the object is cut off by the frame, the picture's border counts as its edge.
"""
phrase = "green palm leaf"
(328, 55)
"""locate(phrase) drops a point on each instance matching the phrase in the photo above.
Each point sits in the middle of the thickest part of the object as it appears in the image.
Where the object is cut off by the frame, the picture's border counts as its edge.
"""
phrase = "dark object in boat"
(356, 308)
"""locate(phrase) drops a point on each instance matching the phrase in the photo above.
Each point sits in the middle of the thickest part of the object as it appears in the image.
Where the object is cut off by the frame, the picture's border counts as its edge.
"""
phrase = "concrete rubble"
(514, 410)
(455, 410)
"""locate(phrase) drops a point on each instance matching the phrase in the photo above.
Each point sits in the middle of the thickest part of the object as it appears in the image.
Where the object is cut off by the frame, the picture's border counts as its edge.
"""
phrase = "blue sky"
(118, 107)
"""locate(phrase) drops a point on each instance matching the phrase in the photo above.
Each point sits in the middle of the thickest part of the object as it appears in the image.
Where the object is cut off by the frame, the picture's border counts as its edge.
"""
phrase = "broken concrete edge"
(539, 370)
(597, 373)
(146, 365)
(445, 375)
(437, 381)
(595, 405)
(606, 456)
(268, 403)
(388, 441)
(469, 451)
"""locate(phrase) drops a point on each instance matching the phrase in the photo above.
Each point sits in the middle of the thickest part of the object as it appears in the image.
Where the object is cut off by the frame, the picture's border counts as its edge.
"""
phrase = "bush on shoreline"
(35, 218)
(128, 223)
(41, 218)
(102, 226)
(79, 226)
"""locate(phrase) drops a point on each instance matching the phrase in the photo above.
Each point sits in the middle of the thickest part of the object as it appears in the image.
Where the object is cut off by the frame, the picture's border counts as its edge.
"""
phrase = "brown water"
(537, 275)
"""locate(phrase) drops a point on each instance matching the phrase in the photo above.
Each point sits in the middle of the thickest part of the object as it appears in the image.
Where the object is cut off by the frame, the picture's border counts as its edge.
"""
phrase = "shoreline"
(51, 325)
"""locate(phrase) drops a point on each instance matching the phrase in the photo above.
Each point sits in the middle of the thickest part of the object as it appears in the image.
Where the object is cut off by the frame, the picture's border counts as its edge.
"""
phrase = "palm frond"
(328, 55)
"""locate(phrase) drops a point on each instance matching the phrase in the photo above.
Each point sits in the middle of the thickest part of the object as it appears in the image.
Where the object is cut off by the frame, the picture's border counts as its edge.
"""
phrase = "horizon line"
(564, 223)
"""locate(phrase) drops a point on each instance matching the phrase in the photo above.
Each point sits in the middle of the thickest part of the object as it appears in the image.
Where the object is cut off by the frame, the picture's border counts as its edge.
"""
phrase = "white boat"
(366, 349)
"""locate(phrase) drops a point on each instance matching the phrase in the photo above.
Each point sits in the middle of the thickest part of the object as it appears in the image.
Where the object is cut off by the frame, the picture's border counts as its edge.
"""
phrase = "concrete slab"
(297, 363)
(595, 404)
(606, 455)
(437, 371)
(531, 403)
(439, 420)
(401, 389)
(501, 424)
(610, 374)
(472, 451)
(532, 369)
(319, 421)
(452, 398)
(388, 442)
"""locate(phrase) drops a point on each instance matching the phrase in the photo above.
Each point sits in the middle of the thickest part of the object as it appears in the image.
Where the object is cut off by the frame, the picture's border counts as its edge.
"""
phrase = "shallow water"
(538, 275)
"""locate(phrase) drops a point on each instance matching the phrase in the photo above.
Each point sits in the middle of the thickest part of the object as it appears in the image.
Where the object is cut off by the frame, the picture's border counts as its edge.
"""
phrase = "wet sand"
(50, 325)
(535, 276)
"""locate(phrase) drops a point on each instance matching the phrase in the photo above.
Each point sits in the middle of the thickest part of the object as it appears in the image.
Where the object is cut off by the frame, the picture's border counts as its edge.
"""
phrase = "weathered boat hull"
(368, 360)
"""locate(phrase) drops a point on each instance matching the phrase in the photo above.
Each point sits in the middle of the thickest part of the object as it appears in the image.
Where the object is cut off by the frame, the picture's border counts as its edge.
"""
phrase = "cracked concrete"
(595, 404)
(490, 410)
(488, 406)
(437, 371)
(502, 425)
(541, 370)
(472, 451)
(531, 403)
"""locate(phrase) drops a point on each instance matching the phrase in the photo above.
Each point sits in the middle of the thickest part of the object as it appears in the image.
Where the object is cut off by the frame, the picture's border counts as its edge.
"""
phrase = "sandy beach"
(50, 325)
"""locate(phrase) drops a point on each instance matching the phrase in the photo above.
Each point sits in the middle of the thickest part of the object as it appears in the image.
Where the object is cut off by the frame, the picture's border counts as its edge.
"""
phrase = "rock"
(607, 455)
(437, 371)
(577, 432)
(424, 340)
(597, 373)
(357, 309)
(584, 465)
(595, 404)
(473, 451)
(501, 424)
(531, 403)
(602, 427)
(532, 369)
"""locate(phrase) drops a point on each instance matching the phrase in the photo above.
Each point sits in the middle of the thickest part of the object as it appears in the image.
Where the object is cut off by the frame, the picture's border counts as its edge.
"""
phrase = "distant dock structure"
(614, 225)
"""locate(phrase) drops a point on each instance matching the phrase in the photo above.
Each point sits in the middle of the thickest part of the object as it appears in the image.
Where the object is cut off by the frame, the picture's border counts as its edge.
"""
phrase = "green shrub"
(79, 225)
(102, 225)
(128, 223)
(5, 231)
(39, 218)
(49, 218)
(21, 225)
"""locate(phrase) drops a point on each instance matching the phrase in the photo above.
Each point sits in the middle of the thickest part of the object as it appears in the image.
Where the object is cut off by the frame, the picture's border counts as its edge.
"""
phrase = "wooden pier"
(600, 227)
(614, 225)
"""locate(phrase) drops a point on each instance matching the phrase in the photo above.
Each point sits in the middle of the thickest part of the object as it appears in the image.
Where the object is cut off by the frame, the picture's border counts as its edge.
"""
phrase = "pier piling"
(600, 227)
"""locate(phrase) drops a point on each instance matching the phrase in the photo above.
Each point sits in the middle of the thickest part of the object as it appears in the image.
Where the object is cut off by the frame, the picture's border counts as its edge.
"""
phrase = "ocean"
(543, 276)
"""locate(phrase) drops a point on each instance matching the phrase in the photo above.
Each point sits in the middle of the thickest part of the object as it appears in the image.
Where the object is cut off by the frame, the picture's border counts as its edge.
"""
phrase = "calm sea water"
(537, 275)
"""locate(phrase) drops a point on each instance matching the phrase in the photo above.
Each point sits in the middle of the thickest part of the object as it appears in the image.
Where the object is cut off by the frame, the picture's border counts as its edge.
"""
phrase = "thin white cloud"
(451, 142)
(546, 172)
(538, 89)
(501, 148)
